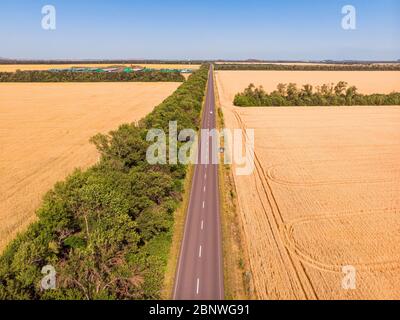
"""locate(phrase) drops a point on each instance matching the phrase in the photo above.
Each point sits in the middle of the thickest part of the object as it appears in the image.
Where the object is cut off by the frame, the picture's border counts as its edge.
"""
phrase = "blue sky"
(204, 29)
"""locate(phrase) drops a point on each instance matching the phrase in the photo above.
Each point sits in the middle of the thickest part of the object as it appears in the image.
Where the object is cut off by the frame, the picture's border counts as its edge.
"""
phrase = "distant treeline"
(107, 231)
(308, 67)
(22, 62)
(66, 76)
(326, 95)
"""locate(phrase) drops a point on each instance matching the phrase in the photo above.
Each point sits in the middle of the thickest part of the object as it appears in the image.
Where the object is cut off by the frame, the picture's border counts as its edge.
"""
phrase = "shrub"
(326, 95)
(67, 76)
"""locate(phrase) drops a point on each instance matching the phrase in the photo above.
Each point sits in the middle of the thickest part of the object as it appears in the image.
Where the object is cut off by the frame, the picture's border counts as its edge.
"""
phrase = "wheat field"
(367, 82)
(325, 194)
(45, 131)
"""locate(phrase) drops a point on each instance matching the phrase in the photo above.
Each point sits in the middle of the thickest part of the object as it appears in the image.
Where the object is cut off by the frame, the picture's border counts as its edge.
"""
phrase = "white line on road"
(198, 286)
(202, 224)
(204, 190)
(204, 204)
(200, 251)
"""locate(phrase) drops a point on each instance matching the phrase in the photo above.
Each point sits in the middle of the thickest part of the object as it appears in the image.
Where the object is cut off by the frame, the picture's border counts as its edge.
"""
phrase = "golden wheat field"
(31, 67)
(367, 82)
(325, 194)
(45, 131)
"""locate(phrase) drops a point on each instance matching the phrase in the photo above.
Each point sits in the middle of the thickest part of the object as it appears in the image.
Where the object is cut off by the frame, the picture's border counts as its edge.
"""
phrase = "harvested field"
(22, 67)
(45, 131)
(325, 194)
(367, 82)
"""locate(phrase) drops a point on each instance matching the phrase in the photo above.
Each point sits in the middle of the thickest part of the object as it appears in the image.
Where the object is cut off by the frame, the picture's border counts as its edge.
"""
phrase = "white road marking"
(202, 224)
(204, 190)
(204, 203)
(205, 176)
(200, 251)
(198, 286)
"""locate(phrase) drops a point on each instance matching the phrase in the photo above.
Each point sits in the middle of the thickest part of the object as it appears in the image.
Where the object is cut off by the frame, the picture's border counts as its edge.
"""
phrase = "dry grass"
(45, 131)
(325, 194)
(15, 67)
(238, 280)
(367, 82)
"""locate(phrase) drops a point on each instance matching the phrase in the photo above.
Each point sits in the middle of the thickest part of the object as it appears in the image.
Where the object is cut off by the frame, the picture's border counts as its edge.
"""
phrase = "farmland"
(45, 131)
(232, 82)
(23, 67)
(107, 229)
(309, 67)
(325, 192)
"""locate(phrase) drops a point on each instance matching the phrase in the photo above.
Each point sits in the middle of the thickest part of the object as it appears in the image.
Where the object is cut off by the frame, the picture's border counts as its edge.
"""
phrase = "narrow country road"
(200, 272)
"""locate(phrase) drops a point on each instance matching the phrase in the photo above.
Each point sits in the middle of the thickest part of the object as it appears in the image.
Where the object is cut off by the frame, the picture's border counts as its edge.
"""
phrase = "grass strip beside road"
(238, 279)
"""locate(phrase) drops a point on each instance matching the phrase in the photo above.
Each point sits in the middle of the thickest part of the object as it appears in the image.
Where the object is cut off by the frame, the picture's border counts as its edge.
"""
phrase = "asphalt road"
(200, 272)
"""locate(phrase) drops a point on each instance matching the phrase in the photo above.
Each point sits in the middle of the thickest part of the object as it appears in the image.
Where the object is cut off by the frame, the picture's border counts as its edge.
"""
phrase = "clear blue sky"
(203, 29)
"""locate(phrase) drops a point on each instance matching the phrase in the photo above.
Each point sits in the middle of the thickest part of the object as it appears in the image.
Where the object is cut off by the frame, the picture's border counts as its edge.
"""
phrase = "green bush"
(326, 95)
(107, 230)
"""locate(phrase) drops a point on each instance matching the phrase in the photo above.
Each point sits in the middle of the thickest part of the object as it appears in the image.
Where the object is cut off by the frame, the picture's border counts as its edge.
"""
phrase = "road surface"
(200, 272)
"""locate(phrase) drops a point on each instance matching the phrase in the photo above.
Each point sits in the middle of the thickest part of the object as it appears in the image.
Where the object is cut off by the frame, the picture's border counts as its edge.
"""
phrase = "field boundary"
(179, 228)
(177, 237)
(83, 77)
(239, 282)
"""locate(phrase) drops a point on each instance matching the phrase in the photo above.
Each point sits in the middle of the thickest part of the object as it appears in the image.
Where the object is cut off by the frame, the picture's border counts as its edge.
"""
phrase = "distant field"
(304, 63)
(171, 66)
(14, 67)
(367, 82)
(278, 63)
(325, 194)
(45, 131)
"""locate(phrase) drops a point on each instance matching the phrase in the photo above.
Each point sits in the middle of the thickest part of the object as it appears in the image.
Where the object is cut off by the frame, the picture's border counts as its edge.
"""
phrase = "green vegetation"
(308, 67)
(107, 231)
(326, 95)
(100, 62)
(66, 76)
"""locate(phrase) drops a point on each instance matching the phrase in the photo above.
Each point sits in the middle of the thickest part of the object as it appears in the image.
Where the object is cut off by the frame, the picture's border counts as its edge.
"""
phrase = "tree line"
(78, 62)
(340, 94)
(306, 67)
(107, 230)
(67, 76)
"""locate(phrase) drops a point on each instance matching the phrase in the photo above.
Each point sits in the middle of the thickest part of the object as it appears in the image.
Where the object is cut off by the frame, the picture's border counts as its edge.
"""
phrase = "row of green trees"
(326, 95)
(100, 62)
(107, 230)
(310, 67)
(66, 76)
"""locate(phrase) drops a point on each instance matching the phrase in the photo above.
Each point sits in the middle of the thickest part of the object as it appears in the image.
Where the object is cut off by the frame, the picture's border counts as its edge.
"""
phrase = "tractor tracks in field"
(277, 227)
